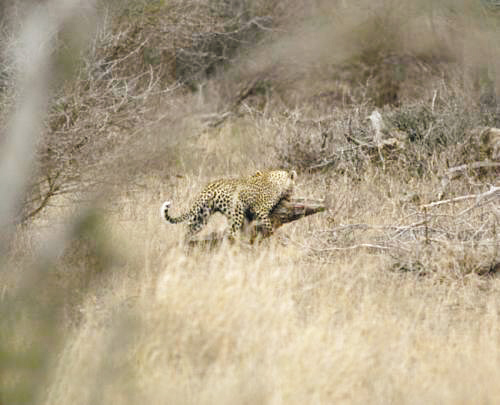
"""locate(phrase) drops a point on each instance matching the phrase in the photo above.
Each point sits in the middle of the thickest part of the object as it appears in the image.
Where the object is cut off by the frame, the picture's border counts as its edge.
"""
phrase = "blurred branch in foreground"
(32, 58)
(31, 307)
(34, 67)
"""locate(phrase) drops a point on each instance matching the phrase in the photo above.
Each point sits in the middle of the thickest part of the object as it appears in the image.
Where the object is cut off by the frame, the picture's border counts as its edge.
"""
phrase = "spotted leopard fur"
(251, 197)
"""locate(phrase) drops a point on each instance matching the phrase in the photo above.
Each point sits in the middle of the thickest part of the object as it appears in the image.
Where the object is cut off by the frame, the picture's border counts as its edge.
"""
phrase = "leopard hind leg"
(198, 220)
(236, 221)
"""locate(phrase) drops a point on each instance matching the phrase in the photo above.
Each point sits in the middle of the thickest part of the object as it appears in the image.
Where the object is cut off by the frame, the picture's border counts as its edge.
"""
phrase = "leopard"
(240, 199)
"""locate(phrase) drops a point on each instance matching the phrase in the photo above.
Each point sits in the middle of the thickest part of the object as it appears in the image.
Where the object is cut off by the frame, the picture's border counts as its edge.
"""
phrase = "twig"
(54, 188)
(433, 100)
(426, 220)
(357, 141)
(475, 165)
(332, 159)
(358, 246)
(368, 226)
(491, 191)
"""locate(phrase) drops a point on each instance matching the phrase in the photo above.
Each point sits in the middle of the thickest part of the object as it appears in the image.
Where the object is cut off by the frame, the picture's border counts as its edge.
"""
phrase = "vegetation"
(386, 109)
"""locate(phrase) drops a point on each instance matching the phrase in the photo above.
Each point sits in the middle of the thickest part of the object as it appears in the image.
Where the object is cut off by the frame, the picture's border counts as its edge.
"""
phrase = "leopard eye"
(293, 174)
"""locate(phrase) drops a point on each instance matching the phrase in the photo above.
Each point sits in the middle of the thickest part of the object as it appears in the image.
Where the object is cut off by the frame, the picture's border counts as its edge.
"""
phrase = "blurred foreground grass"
(382, 299)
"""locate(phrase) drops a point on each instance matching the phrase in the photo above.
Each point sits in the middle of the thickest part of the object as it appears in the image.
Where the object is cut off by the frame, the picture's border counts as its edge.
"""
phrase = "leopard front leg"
(265, 222)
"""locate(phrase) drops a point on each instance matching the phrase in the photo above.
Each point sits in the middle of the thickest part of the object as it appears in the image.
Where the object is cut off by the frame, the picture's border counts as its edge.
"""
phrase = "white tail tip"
(164, 209)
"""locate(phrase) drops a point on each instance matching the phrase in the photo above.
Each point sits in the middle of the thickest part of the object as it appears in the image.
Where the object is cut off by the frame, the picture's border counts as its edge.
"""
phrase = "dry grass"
(379, 300)
(275, 324)
(292, 321)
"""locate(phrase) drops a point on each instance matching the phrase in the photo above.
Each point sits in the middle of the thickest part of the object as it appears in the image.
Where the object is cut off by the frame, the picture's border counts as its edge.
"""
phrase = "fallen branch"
(491, 191)
(457, 170)
(358, 246)
(288, 211)
(380, 148)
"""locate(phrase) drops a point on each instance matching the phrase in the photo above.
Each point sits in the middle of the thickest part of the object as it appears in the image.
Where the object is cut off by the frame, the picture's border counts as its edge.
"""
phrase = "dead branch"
(382, 146)
(288, 211)
(53, 189)
(488, 193)
(352, 247)
(487, 139)
(457, 170)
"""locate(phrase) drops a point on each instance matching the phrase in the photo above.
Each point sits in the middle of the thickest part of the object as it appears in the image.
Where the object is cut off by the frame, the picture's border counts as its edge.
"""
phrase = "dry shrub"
(185, 41)
(107, 307)
(118, 96)
(126, 106)
(429, 136)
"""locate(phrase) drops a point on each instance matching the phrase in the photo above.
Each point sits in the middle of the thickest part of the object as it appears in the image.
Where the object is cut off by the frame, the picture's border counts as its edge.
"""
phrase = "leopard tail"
(173, 220)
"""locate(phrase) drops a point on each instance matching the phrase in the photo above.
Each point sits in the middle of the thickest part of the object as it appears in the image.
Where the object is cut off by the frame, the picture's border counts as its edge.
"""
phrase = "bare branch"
(474, 165)
(488, 193)
(53, 189)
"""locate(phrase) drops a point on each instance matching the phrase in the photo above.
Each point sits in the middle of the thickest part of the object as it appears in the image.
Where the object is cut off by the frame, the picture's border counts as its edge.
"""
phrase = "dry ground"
(377, 300)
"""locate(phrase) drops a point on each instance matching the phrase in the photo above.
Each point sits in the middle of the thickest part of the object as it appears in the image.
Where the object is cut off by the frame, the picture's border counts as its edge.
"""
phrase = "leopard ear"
(293, 174)
(258, 173)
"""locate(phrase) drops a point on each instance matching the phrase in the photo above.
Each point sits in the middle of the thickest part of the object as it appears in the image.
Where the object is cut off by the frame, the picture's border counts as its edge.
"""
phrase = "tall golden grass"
(381, 299)
(278, 323)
